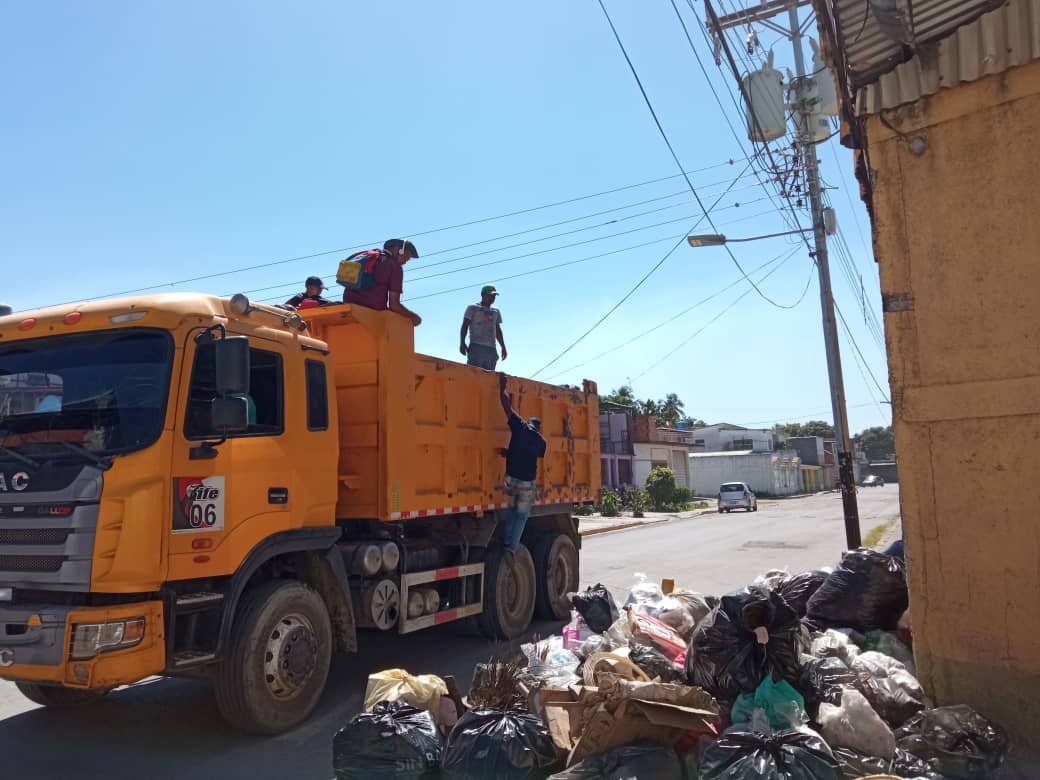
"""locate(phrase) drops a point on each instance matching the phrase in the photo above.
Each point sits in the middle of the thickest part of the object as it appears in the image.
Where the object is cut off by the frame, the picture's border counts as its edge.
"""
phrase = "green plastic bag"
(783, 705)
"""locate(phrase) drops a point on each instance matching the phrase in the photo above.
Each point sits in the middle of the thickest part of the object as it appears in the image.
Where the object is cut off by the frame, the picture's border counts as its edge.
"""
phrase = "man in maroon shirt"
(385, 293)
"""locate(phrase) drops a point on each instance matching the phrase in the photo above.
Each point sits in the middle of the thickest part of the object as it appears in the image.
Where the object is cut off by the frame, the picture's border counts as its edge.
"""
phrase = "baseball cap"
(488, 289)
(313, 281)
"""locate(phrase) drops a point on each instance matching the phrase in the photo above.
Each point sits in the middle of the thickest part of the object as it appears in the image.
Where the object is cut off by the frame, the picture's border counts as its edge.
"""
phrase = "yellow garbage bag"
(422, 691)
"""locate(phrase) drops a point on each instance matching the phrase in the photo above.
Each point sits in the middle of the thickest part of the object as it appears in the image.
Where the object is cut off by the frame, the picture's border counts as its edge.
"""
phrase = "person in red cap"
(311, 296)
(483, 322)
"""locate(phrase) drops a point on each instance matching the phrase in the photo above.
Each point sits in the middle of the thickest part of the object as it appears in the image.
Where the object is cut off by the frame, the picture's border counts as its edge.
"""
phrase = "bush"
(584, 510)
(682, 496)
(639, 501)
(660, 484)
(610, 504)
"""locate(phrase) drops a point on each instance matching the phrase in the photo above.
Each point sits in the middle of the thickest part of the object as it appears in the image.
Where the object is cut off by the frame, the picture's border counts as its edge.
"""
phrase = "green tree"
(650, 407)
(660, 484)
(811, 428)
(623, 396)
(670, 410)
(878, 443)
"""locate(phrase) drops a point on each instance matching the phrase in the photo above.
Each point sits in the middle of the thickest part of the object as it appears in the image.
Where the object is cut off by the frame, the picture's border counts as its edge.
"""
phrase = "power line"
(638, 284)
(852, 338)
(545, 269)
(295, 283)
(671, 319)
(555, 248)
(675, 157)
(411, 234)
(718, 316)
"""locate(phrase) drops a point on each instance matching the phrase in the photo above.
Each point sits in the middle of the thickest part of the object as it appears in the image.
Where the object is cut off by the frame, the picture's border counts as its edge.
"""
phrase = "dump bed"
(422, 436)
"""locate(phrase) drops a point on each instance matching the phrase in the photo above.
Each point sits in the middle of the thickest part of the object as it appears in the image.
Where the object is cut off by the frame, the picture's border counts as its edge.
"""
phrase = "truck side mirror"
(232, 365)
(230, 415)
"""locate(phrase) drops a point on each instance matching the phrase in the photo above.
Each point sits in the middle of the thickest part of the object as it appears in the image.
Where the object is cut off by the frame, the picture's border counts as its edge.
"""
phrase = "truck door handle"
(278, 495)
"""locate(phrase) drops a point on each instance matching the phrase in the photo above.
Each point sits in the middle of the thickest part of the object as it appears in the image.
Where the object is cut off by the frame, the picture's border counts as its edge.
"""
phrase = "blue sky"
(147, 143)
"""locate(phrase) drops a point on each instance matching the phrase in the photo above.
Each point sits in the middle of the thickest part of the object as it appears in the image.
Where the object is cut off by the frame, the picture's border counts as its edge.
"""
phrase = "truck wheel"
(59, 696)
(509, 593)
(277, 660)
(556, 573)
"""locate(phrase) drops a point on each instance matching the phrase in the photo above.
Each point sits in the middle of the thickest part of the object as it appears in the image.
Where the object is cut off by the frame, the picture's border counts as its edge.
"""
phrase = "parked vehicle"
(737, 495)
(873, 481)
(197, 486)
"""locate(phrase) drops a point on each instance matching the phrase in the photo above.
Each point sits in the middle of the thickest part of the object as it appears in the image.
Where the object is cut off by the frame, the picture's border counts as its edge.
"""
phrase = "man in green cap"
(484, 324)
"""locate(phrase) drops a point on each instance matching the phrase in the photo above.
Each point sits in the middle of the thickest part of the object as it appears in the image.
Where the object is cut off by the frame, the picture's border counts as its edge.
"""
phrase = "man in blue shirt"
(526, 446)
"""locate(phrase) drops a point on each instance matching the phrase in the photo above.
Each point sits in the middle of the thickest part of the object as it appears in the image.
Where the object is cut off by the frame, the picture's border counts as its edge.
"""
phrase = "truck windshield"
(103, 393)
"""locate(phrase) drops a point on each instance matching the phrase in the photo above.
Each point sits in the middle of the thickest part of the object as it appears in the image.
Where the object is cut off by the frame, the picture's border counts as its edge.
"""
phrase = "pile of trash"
(795, 677)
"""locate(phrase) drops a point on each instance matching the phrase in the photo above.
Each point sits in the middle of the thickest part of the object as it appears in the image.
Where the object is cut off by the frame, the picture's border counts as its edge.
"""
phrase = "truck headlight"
(89, 639)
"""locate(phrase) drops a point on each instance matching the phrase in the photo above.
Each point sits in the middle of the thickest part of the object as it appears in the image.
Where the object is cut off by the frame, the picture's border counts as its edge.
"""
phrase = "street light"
(717, 239)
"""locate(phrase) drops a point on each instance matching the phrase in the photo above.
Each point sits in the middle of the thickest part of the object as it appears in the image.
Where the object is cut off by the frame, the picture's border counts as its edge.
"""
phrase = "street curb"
(638, 523)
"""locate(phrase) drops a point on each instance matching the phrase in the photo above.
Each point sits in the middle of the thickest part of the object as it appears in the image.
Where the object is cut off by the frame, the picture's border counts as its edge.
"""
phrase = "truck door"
(224, 504)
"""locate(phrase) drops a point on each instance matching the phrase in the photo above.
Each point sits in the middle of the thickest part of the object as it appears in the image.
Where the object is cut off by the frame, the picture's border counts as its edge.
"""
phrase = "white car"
(737, 495)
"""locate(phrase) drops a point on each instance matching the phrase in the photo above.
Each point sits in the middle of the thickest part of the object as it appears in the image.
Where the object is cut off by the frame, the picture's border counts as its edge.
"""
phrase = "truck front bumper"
(37, 644)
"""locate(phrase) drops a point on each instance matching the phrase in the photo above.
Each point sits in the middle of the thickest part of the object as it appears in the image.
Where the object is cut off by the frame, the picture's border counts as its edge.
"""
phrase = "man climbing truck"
(191, 485)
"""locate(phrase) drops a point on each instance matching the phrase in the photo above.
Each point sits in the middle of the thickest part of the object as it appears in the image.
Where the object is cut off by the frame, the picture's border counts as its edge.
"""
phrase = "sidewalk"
(597, 524)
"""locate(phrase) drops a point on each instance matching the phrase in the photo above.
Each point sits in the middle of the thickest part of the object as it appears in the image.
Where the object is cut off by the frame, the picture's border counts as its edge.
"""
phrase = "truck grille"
(34, 535)
(31, 563)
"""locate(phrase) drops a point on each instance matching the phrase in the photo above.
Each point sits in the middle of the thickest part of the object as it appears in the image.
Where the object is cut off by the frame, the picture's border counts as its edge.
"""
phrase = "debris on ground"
(803, 676)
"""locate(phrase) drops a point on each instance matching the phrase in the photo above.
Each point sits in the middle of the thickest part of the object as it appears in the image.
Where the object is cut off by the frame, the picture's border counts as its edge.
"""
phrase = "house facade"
(616, 453)
(724, 437)
(655, 446)
(766, 473)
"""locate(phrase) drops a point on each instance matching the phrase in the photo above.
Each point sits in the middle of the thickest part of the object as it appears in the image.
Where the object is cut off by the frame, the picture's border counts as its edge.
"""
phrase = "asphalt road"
(170, 728)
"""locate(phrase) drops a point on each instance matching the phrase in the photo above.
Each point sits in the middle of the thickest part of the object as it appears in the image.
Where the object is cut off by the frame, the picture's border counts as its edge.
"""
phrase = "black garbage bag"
(393, 740)
(597, 607)
(956, 741)
(855, 765)
(654, 663)
(822, 681)
(726, 656)
(786, 755)
(496, 745)
(867, 591)
(640, 761)
(797, 589)
(892, 701)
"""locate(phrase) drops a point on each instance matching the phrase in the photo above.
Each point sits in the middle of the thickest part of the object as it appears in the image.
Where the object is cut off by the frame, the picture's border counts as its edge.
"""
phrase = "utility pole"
(803, 111)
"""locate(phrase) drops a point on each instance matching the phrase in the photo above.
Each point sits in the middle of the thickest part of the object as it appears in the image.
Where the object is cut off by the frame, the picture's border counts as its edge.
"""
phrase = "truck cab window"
(265, 397)
(317, 397)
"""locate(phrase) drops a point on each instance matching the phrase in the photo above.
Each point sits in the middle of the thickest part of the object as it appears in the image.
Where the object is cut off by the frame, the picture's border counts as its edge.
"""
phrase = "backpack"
(358, 272)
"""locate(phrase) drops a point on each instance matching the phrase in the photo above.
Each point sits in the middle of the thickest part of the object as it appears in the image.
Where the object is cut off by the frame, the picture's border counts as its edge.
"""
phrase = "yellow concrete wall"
(958, 235)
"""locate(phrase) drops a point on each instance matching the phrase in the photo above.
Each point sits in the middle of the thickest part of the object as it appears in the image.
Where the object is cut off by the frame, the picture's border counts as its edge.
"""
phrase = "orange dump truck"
(192, 485)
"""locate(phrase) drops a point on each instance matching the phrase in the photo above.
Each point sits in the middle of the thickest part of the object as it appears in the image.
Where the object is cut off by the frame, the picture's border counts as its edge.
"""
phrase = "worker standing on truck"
(388, 282)
(526, 446)
(484, 323)
(312, 292)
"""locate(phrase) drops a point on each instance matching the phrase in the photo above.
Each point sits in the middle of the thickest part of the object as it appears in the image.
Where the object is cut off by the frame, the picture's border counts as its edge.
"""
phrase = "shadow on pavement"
(170, 728)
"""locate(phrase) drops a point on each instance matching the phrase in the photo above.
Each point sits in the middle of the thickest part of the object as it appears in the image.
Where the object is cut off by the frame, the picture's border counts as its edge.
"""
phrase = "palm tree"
(671, 409)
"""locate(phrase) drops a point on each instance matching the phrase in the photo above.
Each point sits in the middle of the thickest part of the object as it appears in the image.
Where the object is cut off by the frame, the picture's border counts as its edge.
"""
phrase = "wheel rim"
(515, 591)
(290, 657)
(561, 578)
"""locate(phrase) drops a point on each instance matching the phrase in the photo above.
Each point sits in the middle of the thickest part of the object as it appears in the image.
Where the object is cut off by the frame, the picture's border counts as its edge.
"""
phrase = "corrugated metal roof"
(994, 42)
(880, 34)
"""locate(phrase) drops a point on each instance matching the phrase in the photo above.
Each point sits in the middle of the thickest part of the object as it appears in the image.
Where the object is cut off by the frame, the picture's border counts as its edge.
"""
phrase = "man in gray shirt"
(484, 324)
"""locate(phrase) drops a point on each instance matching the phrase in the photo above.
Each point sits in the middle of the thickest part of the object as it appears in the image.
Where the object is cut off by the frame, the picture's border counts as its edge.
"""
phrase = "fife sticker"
(198, 504)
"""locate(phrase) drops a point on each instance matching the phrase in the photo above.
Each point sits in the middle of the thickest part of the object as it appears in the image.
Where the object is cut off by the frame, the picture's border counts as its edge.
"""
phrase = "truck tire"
(277, 661)
(59, 696)
(556, 573)
(509, 594)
